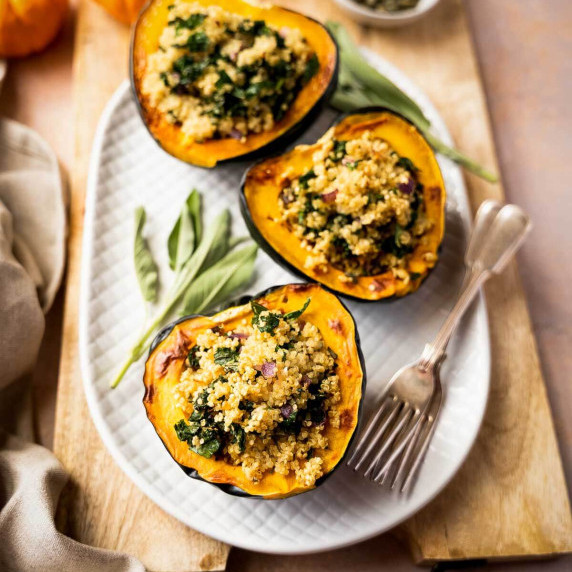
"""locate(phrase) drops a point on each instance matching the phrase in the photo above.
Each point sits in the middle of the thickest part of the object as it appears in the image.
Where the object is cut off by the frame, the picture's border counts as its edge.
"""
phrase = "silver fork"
(401, 427)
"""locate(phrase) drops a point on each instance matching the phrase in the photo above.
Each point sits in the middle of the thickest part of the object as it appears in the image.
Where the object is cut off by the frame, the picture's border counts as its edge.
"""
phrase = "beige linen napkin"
(32, 251)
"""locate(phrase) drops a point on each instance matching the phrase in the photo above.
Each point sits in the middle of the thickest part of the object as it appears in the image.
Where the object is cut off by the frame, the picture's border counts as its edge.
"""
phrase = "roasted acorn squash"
(264, 182)
(302, 111)
(167, 361)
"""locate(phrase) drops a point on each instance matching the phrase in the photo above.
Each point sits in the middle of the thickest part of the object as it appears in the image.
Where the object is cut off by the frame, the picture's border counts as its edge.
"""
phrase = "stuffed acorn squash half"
(362, 211)
(228, 79)
(261, 399)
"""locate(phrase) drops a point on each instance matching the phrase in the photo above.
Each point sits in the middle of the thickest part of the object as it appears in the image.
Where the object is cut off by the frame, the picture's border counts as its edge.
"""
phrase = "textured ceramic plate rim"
(92, 398)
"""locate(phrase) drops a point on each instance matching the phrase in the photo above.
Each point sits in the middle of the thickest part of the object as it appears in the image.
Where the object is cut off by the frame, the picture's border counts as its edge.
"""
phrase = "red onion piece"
(407, 188)
(286, 410)
(235, 134)
(238, 335)
(268, 369)
(330, 197)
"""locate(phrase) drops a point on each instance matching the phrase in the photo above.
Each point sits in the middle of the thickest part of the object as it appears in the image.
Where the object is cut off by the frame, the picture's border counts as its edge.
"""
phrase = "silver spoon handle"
(499, 235)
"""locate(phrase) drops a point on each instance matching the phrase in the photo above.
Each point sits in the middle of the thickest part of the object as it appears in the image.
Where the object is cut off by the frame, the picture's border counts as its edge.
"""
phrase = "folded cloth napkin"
(32, 251)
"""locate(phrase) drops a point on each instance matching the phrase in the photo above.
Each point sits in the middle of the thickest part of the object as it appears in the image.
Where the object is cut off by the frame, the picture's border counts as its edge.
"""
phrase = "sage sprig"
(186, 233)
(145, 267)
(214, 285)
(207, 269)
(361, 85)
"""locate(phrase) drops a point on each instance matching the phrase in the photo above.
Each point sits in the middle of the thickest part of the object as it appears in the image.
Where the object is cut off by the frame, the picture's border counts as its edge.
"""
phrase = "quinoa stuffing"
(218, 75)
(358, 208)
(260, 396)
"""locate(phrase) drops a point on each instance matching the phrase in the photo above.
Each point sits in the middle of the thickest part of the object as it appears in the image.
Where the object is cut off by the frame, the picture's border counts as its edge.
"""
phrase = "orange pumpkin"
(125, 11)
(28, 26)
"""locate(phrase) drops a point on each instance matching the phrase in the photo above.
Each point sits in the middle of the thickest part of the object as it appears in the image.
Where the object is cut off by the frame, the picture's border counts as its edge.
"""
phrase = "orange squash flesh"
(264, 182)
(167, 361)
(145, 41)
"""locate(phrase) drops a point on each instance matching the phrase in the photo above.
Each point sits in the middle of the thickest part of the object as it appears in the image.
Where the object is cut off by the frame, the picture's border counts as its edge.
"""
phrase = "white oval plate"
(128, 169)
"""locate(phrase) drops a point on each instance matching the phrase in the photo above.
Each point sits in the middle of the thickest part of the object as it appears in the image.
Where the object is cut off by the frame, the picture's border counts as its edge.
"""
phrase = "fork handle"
(507, 232)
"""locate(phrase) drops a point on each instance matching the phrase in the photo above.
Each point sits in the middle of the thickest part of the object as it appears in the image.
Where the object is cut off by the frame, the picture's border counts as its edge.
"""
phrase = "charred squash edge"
(232, 489)
(279, 259)
(275, 144)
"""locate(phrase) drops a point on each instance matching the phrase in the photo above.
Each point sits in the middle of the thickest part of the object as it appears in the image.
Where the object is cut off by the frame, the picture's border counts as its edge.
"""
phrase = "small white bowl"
(381, 19)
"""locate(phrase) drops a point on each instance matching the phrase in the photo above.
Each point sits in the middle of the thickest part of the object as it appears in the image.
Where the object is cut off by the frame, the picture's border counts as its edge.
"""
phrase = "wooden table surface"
(525, 55)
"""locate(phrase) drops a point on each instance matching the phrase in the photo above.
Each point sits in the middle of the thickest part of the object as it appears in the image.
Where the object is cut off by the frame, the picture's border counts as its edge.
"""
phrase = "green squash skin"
(231, 489)
(274, 146)
(280, 260)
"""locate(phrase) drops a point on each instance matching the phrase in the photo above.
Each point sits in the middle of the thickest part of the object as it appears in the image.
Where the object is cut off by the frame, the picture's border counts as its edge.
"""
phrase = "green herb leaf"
(407, 164)
(192, 358)
(145, 267)
(227, 357)
(186, 432)
(186, 232)
(197, 42)
(219, 242)
(297, 313)
(265, 322)
(303, 179)
(361, 85)
(239, 436)
(246, 405)
(219, 281)
(312, 67)
(208, 448)
(190, 23)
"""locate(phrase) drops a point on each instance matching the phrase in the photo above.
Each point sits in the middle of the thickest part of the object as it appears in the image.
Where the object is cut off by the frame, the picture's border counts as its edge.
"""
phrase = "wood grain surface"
(508, 500)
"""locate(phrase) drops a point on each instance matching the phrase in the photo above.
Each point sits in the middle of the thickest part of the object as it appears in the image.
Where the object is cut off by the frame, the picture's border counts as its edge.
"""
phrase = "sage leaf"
(297, 313)
(361, 85)
(219, 281)
(145, 267)
(186, 232)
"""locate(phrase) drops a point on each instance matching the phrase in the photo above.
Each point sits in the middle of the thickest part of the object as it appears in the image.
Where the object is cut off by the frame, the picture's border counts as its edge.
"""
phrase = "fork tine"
(404, 418)
(416, 421)
(404, 463)
(423, 443)
(393, 410)
(412, 474)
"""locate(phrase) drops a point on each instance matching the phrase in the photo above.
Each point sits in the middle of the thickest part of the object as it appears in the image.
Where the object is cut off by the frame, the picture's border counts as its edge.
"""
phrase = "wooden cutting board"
(508, 501)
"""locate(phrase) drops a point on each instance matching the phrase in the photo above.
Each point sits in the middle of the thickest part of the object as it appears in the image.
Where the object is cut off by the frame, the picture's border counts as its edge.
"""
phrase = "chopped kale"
(291, 423)
(186, 432)
(164, 76)
(227, 357)
(414, 275)
(332, 353)
(188, 70)
(197, 415)
(197, 42)
(312, 67)
(339, 151)
(303, 180)
(254, 28)
(342, 247)
(193, 358)
(393, 245)
(238, 436)
(246, 405)
(201, 403)
(190, 23)
(210, 445)
(223, 79)
(316, 409)
(297, 313)
(267, 322)
(407, 164)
